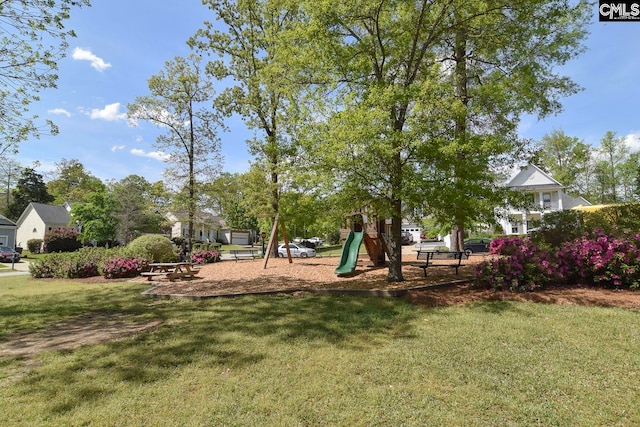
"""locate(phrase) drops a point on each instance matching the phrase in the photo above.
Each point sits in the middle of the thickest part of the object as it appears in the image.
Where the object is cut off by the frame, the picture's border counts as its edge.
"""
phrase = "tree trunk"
(461, 82)
(395, 258)
(192, 184)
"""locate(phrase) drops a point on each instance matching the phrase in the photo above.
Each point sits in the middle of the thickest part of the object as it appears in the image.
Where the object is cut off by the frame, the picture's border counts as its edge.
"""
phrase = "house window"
(514, 229)
(546, 200)
(34, 230)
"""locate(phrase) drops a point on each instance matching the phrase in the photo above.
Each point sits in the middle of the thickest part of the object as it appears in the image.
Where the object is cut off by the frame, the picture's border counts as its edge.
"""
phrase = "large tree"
(73, 183)
(30, 188)
(96, 217)
(10, 171)
(248, 44)
(230, 197)
(178, 105)
(612, 155)
(135, 210)
(33, 40)
(566, 158)
(428, 95)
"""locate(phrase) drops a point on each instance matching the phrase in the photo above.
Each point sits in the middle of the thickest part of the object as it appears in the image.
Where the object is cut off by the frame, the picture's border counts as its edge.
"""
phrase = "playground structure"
(361, 226)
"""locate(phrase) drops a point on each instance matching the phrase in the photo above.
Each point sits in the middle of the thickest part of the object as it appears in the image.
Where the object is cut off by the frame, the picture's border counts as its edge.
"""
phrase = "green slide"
(349, 256)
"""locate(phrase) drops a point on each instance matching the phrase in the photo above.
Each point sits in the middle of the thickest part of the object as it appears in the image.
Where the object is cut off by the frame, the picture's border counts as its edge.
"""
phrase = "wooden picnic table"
(171, 270)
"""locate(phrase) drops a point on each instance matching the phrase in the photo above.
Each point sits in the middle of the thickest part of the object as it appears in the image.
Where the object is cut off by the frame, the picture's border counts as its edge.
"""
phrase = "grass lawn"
(315, 360)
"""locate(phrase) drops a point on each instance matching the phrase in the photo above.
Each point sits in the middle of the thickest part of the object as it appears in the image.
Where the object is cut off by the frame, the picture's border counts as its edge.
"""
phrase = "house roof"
(200, 217)
(569, 202)
(50, 214)
(4, 221)
(532, 176)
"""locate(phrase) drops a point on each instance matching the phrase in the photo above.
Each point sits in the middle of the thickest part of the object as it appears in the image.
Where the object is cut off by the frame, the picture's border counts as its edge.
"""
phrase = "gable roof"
(200, 217)
(49, 214)
(532, 176)
(4, 221)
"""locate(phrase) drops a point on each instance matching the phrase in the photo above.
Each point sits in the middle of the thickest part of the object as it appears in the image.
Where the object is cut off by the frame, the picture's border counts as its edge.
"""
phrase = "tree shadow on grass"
(219, 333)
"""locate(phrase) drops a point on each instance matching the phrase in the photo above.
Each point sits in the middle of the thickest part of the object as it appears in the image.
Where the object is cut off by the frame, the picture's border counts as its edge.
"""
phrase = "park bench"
(437, 259)
(244, 254)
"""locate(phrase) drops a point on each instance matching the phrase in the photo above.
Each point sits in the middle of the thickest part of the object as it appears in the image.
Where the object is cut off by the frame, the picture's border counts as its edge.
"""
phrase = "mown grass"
(317, 360)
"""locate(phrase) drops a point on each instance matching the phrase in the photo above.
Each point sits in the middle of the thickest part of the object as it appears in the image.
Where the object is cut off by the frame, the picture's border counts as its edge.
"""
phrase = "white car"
(297, 251)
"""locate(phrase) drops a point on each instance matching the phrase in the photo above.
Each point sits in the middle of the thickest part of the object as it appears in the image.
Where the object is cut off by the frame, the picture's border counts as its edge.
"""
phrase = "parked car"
(297, 251)
(306, 244)
(7, 254)
(477, 245)
(407, 238)
(316, 241)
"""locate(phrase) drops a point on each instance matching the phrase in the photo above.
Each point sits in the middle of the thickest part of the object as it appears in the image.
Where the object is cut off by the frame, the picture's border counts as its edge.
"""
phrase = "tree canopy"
(422, 99)
(72, 182)
(34, 39)
(30, 188)
(177, 104)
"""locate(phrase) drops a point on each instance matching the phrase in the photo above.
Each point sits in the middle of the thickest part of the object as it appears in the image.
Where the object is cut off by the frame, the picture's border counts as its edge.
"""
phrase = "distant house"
(7, 232)
(205, 225)
(38, 218)
(208, 228)
(547, 195)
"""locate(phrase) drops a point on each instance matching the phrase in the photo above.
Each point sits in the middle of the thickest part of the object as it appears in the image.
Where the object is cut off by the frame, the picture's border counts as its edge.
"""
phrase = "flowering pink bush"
(522, 267)
(205, 257)
(593, 260)
(598, 259)
(123, 266)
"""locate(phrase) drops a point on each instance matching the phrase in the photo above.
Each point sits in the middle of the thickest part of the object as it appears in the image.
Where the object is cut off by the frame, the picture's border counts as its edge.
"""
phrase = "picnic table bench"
(171, 270)
(427, 257)
(244, 254)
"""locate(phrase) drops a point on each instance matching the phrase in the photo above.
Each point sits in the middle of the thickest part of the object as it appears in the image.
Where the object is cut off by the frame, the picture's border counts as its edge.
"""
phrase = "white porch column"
(541, 201)
(559, 194)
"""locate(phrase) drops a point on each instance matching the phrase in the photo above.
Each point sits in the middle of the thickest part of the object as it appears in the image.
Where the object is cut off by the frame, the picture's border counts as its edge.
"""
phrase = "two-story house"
(546, 195)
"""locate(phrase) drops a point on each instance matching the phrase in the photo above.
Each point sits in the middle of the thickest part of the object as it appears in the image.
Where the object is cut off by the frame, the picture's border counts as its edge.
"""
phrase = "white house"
(206, 226)
(547, 195)
(39, 218)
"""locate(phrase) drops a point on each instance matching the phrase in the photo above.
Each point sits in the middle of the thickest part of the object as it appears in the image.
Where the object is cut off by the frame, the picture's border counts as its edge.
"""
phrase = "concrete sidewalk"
(19, 268)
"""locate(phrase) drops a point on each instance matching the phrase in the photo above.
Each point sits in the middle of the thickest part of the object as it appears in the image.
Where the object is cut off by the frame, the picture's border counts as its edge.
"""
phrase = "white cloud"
(98, 63)
(633, 141)
(117, 147)
(157, 155)
(139, 138)
(110, 113)
(60, 111)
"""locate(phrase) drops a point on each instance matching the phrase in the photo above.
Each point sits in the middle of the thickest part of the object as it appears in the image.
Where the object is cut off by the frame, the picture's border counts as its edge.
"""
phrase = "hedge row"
(118, 262)
(594, 259)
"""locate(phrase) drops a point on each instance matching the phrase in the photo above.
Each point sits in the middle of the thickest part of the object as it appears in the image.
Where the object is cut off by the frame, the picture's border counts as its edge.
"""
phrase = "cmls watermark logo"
(619, 11)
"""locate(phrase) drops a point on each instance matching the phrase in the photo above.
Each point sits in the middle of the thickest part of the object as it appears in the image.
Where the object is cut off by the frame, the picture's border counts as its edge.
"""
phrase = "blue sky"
(121, 44)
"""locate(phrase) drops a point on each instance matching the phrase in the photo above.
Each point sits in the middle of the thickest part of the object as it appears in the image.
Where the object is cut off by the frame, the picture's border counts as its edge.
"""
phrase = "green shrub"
(63, 240)
(206, 246)
(153, 247)
(614, 220)
(556, 228)
(123, 266)
(33, 245)
(85, 262)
